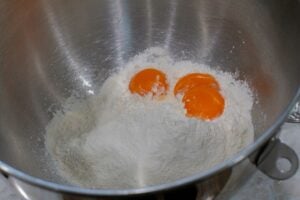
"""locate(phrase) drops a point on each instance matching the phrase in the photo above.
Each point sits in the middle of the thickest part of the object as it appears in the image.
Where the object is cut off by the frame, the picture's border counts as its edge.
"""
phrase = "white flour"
(118, 140)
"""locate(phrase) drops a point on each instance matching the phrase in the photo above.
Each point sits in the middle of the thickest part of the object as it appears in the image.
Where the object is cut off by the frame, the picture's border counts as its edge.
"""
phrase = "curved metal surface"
(50, 49)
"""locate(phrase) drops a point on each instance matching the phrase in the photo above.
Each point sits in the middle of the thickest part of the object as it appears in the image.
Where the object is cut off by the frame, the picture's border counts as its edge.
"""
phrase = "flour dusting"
(115, 139)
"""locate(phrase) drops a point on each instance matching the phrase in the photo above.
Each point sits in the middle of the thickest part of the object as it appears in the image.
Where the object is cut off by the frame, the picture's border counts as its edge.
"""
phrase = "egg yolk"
(193, 80)
(149, 81)
(203, 102)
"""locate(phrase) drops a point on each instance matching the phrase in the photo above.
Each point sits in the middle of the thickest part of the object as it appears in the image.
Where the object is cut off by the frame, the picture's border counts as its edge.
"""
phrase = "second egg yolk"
(203, 103)
(201, 96)
(149, 81)
(193, 80)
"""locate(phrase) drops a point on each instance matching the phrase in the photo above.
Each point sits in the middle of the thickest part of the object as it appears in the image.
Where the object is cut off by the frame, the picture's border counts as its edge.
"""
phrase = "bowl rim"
(229, 163)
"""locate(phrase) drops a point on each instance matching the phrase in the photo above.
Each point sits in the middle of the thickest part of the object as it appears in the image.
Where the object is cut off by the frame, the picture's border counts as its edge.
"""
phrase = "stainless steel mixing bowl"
(51, 48)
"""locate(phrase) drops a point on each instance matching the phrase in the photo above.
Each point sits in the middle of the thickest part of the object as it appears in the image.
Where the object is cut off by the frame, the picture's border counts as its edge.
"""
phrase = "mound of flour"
(118, 140)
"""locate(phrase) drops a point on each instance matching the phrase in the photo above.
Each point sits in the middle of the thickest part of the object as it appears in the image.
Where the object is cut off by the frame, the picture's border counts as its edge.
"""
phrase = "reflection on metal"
(149, 22)
(171, 25)
(64, 45)
(294, 116)
(22, 192)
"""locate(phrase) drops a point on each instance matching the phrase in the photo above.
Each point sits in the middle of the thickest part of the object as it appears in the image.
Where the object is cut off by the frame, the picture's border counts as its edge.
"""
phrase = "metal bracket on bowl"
(274, 152)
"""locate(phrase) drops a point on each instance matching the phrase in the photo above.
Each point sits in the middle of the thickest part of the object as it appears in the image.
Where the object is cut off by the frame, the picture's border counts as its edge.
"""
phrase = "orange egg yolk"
(193, 80)
(149, 81)
(203, 102)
